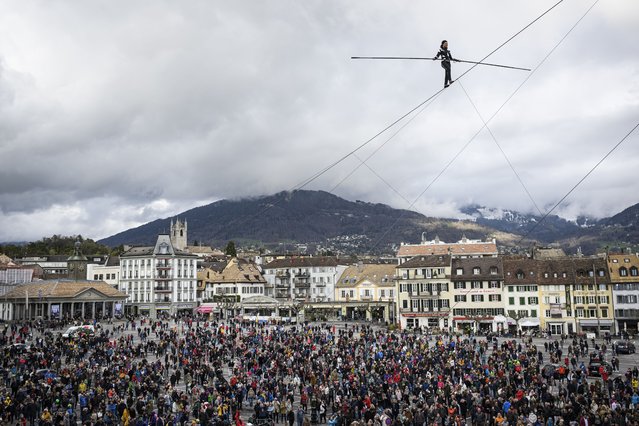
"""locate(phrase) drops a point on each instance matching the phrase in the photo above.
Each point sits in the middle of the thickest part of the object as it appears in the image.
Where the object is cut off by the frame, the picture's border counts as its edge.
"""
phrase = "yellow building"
(367, 291)
(592, 296)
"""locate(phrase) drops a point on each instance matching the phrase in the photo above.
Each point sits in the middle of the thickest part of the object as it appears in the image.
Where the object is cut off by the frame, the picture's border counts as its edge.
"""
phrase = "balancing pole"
(431, 59)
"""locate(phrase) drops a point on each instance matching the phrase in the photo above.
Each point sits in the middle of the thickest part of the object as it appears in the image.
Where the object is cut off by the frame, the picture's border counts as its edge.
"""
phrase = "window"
(592, 313)
(533, 300)
(511, 300)
(460, 285)
(405, 304)
(634, 271)
(460, 298)
(520, 274)
(478, 298)
(522, 300)
(459, 271)
(604, 313)
(476, 270)
(494, 284)
(493, 270)
(510, 289)
(533, 313)
(494, 297)
(579, 312)
(477, 284)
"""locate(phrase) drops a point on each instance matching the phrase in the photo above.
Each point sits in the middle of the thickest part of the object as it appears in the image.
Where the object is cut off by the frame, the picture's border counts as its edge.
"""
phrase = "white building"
(624, 274)
(109, 271)
(159, 279)
(424, 292)
(305, 279)
(477, 294)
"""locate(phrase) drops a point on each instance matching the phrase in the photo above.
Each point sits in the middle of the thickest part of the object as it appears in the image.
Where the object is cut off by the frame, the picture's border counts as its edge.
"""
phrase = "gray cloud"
(113, 114)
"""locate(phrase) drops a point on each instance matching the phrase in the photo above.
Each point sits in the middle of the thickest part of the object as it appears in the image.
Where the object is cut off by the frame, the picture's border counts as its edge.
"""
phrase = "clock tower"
(77, 264)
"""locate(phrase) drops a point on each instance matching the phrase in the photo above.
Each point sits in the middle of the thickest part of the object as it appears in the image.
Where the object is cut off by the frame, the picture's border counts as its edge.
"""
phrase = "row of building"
(436, 285)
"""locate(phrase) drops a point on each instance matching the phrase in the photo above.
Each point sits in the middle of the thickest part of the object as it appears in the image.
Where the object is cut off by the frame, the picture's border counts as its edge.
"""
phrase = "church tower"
(178, 234)
(77, 264)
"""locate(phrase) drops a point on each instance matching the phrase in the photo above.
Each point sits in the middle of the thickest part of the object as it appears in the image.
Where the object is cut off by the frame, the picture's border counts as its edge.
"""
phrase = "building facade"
(477, 294)
(224, 289)
(159, 279)
(592, 296)
(521, 291)
(423, 297)
(367, 292)
(305, 279)
(624, 277)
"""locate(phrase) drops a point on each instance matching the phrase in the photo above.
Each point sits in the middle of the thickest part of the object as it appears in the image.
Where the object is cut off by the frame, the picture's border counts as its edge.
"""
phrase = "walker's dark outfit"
(446, 58)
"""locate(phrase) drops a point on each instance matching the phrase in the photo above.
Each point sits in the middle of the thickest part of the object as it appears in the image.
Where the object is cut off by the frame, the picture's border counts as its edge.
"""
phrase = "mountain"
(321, 219)
(302, 217)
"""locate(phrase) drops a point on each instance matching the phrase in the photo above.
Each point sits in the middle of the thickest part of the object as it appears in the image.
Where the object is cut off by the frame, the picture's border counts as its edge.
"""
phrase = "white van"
(72, 331)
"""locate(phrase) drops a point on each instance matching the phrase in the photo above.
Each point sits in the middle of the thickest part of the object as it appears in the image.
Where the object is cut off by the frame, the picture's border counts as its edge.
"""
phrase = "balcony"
(163, 277)
(281, 274)
(163, 289)
(302, 285)
(162, 266)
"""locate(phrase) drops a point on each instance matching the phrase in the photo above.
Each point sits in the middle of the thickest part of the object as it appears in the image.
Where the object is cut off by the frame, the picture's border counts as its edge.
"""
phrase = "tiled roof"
(456, 249)
(380, 275)
(618, 261)
(542, 272)
(62, 289)
(236, 270)
(485, 265)
(519, 265)
(113, 261)
(426, 261)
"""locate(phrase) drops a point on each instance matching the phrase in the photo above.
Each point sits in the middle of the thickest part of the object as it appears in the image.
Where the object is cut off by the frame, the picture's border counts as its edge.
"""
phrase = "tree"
(230, 249)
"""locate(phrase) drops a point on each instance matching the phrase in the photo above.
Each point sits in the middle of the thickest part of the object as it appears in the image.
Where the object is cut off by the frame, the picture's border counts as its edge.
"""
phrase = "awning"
(204, 309)
(529, 322)
(594, 323)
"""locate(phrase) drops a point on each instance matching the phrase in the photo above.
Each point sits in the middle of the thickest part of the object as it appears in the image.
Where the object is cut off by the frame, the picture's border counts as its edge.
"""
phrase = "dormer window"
(164, 248)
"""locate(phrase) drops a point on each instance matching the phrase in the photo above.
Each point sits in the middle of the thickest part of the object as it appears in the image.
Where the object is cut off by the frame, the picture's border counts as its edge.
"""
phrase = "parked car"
(593, 368)
(624, 347)
(80, 330)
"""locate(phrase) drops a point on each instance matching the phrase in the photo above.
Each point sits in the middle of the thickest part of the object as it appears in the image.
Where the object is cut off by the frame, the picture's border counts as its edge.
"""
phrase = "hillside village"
(433, 285)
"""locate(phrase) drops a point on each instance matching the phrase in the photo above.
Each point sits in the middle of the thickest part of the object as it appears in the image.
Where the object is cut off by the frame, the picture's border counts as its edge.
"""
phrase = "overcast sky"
(115, 113)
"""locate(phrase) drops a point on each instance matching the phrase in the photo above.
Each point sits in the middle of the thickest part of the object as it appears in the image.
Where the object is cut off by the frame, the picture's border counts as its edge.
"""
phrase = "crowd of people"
(189, 371)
